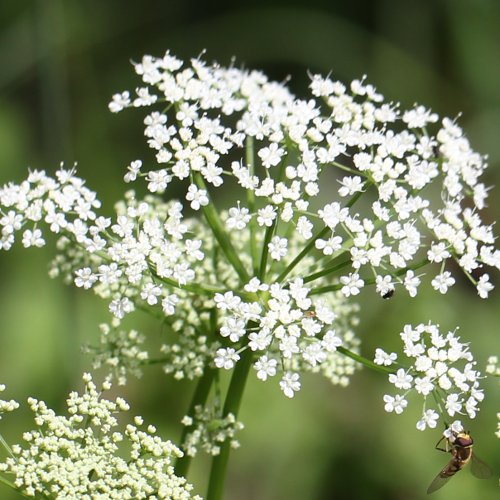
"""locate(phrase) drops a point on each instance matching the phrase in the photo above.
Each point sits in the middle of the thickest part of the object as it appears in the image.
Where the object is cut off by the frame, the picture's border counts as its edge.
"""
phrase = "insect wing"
(479, 468)
(440, 480)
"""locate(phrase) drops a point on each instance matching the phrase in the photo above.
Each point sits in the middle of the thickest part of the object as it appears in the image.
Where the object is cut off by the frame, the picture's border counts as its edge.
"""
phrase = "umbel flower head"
(438, 367)
(208, 113)
(334, 193)
(207, 429)
(79, 455)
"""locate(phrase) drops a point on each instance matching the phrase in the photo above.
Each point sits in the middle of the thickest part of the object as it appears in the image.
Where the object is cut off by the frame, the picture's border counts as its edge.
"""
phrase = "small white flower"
(411, 283)
(384, 285)
(278, 247)
(255, 285)
(382, 358)
(352, 284)
(238, 218)
(234, 328)
(331, 341)
(120, 307)
(351, 185)
(271, 156)
(150, 293)
(266, 367)
(133, 170)
(423, 385)
(226, 358)
(304, 227)
(484, 287)
(328, 247)
(443, 281)
(395, 404)
(187, 420)
(288, 346)
(290, 384)
(438, 253)
(471, 407)
(455, 428)
(33, 238)
(168, 304)
(401, 379)
(259, 341)
(226, 302)
(419, 117)
(84, 278)
(314, 354)
(197, 197)
(453, 404)
(429, 419)
(119, 102)
(266, 216)
(333, 214)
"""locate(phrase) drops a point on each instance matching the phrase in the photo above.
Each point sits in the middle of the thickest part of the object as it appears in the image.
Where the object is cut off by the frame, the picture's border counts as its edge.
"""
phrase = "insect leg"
(442, 449)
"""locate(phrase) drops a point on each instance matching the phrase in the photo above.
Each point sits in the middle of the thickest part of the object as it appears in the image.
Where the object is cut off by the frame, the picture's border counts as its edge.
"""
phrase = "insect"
(459, 444)
(388, 294)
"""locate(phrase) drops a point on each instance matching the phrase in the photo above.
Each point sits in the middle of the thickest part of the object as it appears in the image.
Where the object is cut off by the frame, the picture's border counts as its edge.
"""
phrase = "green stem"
(190, 287)
(7, 483)
(217, 227)
(364, 361)
(325, 289)
(312, 241)
(204, 290)
(13, 487)
(250, 161)
(199, 397)
(7, 447)
(231, 405)
(328, 270)
(350, 170)
(370, 281)
(302, 254)
(265, 250)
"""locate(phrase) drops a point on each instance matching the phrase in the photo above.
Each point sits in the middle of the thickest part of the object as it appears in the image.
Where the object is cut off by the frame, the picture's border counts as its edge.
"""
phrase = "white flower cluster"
(436, 364)
(277, 272)
(208, 429)
(210, 113)
(63, 204)
(78, 456)
(127, 262)
(290, 333)
(141, 269)
(133, 264)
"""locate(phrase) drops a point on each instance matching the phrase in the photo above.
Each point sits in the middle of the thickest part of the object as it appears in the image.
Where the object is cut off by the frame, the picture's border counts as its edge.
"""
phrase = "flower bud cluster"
(78, 456)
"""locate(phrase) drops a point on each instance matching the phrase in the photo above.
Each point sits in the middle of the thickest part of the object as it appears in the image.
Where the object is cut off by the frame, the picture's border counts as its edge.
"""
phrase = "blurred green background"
(61, 60)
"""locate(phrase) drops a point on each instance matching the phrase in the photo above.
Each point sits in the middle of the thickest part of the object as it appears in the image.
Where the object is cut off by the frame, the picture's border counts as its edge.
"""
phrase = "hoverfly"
(459, 444)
